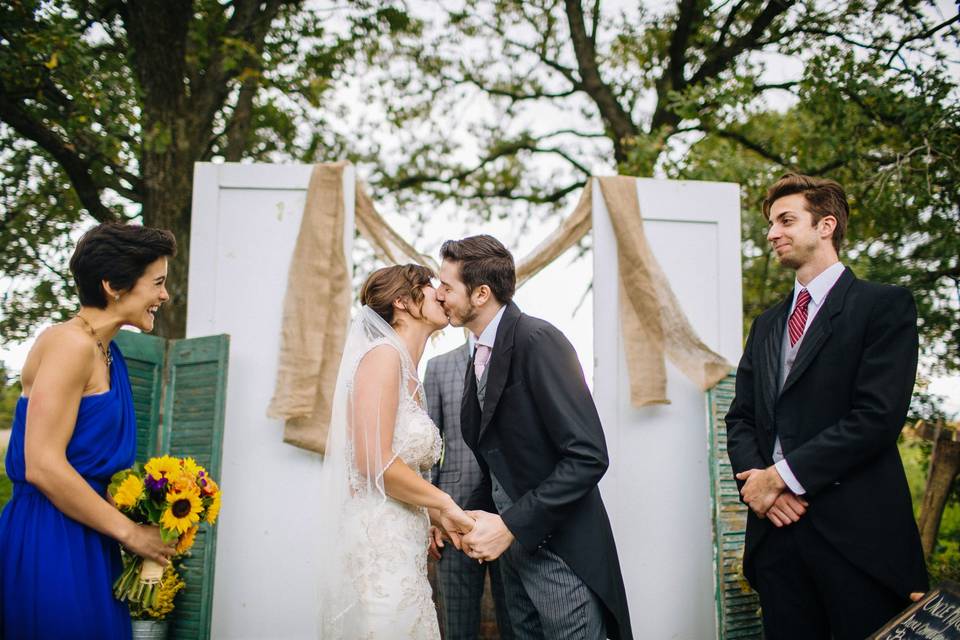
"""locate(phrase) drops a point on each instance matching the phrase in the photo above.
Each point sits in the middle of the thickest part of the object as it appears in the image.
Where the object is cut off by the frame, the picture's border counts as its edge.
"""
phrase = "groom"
(529, 418)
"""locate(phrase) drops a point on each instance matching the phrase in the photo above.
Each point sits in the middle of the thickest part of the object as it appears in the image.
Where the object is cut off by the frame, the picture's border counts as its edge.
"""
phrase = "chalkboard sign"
(935, 617)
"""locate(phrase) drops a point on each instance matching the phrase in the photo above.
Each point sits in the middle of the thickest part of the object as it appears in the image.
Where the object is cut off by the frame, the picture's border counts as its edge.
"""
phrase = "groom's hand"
(436, 542)
(489, 538)
(761, 488)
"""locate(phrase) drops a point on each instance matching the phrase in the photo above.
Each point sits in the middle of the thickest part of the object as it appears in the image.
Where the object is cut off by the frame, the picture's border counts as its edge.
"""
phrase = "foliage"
(894, 141)
(105, 106)
(944, 562)
(9, 394)
(505, 101)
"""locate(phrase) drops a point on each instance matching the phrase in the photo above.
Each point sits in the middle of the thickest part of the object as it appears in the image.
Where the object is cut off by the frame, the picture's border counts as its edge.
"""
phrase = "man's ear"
(481, 294)
(826, 226)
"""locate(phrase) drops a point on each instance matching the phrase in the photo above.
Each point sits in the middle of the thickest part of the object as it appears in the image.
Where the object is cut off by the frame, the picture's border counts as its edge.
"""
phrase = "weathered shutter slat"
(193, 426)
(144, 355)
(738, 607)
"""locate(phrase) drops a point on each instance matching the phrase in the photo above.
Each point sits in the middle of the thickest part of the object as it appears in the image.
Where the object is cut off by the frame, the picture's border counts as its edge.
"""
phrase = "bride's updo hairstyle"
(403, 281)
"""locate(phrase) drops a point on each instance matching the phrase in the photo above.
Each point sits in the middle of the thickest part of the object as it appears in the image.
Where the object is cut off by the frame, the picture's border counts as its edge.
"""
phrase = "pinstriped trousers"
(546, 600)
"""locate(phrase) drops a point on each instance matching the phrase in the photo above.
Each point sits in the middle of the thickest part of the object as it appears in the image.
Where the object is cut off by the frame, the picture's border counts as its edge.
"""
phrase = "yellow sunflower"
(183, 510)
(190, 467)
(214, 509)
(187, 539)
(163, 467)
(129, 491)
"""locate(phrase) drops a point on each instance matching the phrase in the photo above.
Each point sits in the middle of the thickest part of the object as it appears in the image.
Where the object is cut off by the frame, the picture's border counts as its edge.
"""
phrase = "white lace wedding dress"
(378, 589)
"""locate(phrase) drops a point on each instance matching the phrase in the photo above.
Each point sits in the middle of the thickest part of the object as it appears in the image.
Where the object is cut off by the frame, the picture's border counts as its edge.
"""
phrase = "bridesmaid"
(74, 426)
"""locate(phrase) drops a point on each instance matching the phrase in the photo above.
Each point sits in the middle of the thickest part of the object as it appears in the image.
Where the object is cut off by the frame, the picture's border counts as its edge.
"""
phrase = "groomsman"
(461, 578)
(822, 393)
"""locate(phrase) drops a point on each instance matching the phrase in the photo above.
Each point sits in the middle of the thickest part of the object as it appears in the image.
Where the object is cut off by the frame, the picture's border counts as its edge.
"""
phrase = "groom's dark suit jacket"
(838, 416)
(540, 435)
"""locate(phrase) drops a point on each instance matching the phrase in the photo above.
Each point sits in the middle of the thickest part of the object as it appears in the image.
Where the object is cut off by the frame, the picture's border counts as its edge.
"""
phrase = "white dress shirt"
(488, 336)
(818, 288)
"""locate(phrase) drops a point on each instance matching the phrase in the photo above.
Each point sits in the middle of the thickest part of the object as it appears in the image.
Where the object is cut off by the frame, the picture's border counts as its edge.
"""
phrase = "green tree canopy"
(515, 100)
(106, 105)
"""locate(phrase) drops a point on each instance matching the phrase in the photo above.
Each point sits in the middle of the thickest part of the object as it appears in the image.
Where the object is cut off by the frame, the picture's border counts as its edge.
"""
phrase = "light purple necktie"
(481, 359)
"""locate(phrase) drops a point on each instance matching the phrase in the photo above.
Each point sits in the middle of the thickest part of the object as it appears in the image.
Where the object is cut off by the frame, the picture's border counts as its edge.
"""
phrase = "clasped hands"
(768, 496)
(482, 536)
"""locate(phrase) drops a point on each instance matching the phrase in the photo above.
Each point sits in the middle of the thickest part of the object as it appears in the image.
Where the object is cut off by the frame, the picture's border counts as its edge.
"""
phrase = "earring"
(116, 297)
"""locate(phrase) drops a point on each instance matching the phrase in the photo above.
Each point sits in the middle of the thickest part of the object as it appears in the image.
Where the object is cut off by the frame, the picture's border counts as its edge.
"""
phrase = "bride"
(377, 504)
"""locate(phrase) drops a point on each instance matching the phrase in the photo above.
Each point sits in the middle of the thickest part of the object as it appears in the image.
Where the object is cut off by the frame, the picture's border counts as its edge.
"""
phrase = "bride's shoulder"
(380, 356)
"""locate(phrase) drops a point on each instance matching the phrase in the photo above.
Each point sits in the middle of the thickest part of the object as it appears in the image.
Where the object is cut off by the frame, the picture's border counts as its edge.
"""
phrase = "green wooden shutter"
(193, 426)
(738, 607)
(179, 389)
(145, 355)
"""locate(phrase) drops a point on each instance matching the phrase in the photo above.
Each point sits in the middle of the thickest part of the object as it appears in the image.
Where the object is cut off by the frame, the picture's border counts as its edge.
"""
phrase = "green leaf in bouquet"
(153, 510)
(169, 536)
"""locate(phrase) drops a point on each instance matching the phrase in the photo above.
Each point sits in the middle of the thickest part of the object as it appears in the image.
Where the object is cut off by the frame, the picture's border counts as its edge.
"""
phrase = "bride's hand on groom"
(489, 539)
(453, 522)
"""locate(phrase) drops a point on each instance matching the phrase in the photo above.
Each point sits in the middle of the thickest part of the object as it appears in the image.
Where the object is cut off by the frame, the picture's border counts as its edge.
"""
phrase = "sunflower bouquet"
(175, 494)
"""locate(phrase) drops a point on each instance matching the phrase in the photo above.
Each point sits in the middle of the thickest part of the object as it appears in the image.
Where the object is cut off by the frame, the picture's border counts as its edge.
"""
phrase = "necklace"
(106, 354)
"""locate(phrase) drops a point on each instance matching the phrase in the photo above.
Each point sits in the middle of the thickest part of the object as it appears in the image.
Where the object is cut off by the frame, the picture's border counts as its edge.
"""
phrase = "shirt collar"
(819, 287)
(489, 334)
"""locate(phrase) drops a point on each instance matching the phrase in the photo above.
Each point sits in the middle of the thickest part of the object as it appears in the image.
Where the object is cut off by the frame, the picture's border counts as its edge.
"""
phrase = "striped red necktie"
(798, 319)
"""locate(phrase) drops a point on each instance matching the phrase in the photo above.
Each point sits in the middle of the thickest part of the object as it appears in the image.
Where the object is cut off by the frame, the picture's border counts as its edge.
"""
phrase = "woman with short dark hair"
(74, 426)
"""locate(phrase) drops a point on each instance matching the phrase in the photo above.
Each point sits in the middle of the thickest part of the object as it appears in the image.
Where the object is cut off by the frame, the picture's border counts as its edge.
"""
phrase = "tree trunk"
(944, 465)
(167, 198)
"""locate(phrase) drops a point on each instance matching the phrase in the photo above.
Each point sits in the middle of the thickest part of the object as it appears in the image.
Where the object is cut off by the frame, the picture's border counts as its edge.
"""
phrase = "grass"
(6, 487)
(944, 562)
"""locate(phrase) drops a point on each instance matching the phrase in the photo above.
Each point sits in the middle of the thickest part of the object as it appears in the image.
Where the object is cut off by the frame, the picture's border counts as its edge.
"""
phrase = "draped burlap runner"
(317, 305)
(651, 318)
(316, 311)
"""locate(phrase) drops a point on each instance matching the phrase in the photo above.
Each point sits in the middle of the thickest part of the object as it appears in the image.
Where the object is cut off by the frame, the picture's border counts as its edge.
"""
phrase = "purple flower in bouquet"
(156, 486)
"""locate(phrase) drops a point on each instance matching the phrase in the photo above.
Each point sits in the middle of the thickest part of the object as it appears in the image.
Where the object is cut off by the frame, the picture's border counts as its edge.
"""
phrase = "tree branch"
(241, 120)
(677, 49)
(752, 145)
(721, 56)
(923, 34)
(613, 114)
(507, 194)
(515, 96)
(501, 151)
(248, 23)
(760, 88)
(727, 23)
(77, 168)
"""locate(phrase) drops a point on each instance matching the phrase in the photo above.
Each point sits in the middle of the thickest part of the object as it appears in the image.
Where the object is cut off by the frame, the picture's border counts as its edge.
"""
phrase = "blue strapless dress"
(56, 575)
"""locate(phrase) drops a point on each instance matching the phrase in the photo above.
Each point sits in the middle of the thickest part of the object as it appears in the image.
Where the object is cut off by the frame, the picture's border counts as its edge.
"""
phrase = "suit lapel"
(820, 329)
(769, 366)
(499, 364)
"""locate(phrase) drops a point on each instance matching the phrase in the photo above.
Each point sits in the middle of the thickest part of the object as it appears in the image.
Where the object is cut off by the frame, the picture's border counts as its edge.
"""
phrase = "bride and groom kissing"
(529, 419)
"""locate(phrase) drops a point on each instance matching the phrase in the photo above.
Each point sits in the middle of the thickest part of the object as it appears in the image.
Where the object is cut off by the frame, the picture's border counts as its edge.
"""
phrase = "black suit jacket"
(838, 416)
(540, 434)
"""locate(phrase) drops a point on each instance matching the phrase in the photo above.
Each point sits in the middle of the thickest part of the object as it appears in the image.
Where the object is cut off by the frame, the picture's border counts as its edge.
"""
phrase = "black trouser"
(808, 590)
